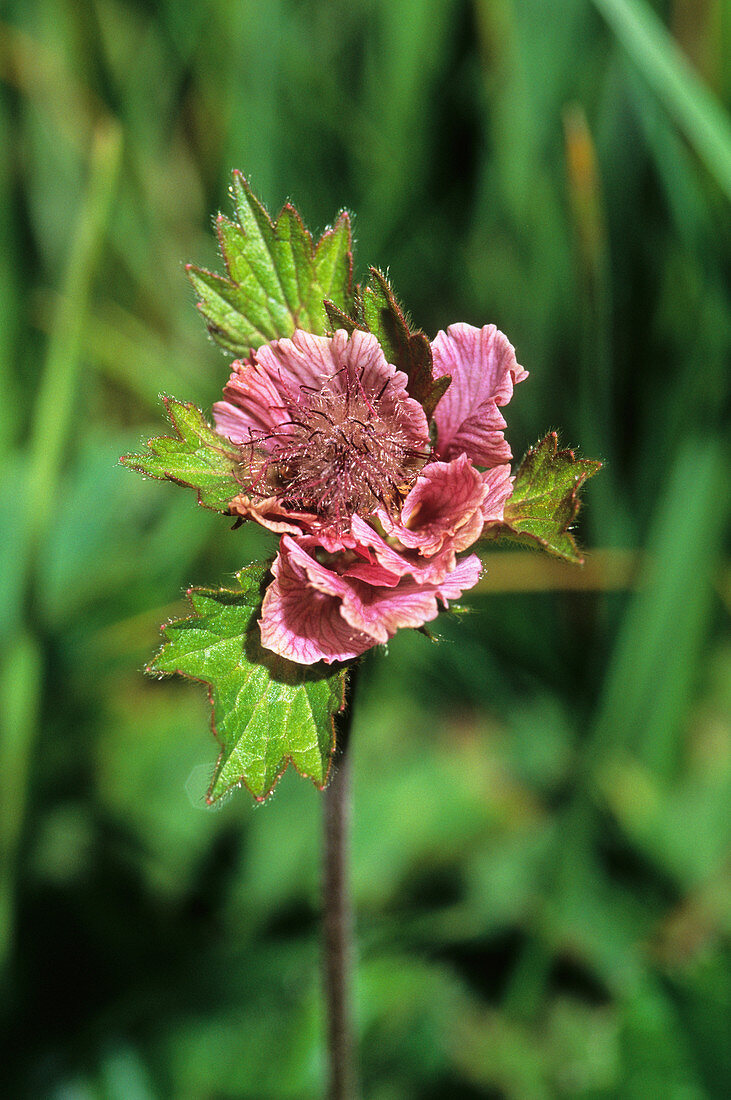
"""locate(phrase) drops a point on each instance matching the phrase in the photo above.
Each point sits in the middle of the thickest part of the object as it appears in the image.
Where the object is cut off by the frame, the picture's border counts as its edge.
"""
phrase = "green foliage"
(198, 458)
(663, 65)
(545, 498)
(276, 279)
(266, 711)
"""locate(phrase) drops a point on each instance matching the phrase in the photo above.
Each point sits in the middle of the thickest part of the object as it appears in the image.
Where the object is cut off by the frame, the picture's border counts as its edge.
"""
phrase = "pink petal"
(499, 485)
(253, 405)
(270, 514)
(373, 547)
(484, 369)
(362, 362)
(461, 579)
(311, 613)
(302, 623)
(442, 509)
(393, 562)
(382, 384)
(383, 611)
(263, 392)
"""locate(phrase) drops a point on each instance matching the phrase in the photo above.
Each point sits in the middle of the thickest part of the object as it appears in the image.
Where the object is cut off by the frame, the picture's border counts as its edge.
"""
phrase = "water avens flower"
(379, 461)
(336, 457)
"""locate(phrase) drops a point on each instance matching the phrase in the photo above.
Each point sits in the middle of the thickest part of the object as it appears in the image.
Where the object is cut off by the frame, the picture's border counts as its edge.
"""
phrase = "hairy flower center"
(339, 453)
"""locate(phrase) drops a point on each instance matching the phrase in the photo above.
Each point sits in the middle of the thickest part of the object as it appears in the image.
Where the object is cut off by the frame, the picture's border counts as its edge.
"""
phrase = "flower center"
(339, 452)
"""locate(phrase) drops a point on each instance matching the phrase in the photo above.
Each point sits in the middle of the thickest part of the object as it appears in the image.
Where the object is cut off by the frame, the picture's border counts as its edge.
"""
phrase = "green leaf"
(334, 261)
(266, 711)
(196, 457)
(545, 500)
(276, 277)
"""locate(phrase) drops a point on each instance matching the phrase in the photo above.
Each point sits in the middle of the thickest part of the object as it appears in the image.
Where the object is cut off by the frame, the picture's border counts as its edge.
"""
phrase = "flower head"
(327, 430)
(336, 457)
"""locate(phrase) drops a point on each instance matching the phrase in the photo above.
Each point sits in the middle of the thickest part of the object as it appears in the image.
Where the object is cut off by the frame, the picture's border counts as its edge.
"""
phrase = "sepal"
(196, 457)
(545, 499)
(376, 310)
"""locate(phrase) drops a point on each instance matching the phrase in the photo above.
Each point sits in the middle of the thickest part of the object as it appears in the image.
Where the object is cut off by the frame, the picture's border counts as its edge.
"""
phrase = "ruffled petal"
(312, 613)
(499, 485)
(263, 392)
(302, 620)
(442, 510)
(381, 559)
(381, 612)
(252, 407)
(384, 387)
(270, 514)
(483, 369)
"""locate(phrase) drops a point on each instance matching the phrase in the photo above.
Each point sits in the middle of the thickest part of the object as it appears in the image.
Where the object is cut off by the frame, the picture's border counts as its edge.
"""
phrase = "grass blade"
(54, 405)
(650, 680)
(696, 111)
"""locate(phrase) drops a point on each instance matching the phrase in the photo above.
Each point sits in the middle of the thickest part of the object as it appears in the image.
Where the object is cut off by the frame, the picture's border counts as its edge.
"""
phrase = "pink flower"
(336, 458)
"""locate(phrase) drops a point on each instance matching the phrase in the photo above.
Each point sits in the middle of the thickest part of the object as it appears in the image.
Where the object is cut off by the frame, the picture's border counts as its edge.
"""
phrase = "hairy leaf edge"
(286, 760)
(508, 533)
(125, 460)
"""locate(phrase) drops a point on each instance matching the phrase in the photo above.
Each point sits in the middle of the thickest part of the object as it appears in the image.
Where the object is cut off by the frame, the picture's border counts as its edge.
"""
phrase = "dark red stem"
(339, 918)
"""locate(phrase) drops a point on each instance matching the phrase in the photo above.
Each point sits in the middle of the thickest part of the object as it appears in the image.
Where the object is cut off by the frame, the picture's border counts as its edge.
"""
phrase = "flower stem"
(339, 918)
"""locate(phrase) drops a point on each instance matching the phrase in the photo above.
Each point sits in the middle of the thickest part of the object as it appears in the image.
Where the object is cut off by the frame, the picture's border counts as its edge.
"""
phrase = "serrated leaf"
(276, 278)
(407, 349)
(196, 457)
(545, 500)
(266, 711)
(334, 260)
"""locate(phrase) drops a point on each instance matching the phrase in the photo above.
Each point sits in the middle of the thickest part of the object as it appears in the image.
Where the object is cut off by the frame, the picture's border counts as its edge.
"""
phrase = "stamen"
(339, 451)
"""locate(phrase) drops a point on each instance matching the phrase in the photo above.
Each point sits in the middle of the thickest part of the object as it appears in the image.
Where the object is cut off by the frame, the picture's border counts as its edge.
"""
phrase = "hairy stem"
(339, 918)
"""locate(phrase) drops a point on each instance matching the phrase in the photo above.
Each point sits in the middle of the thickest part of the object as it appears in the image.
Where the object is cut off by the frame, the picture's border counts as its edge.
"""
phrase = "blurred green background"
(540, 832)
